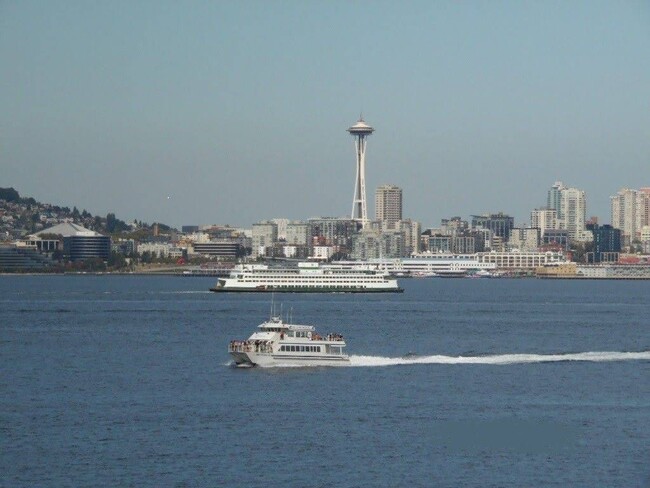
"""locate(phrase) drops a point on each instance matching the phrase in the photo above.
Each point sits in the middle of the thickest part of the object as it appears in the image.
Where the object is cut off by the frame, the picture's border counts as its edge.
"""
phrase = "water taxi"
(277, 343)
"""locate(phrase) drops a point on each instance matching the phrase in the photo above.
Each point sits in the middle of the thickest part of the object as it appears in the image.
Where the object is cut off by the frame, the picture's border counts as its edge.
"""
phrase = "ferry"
(307, 277)
(283, 344)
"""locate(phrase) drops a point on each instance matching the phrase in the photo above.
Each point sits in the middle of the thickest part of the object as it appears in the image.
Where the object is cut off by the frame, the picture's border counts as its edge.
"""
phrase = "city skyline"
(235, 113)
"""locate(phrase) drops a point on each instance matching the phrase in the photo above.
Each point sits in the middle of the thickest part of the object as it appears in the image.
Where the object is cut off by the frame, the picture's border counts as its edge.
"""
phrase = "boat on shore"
(307, 278)
(277, 343)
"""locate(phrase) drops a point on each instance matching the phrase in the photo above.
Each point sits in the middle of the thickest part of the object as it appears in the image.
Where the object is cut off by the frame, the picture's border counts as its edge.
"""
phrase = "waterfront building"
(161, 250)
(500, 224)
(607, 243)
(265, 235)
(388, 205)
(125, 247)
(525, 239)
(223, 248)
(645, 239)
(80, 243)
(22, 258)
(323, 253)
(360, 131)
(295, 252)
(521, 260)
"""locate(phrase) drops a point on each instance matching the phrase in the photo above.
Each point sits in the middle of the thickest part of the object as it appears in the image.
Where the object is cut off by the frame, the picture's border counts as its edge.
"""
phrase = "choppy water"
(125, 381)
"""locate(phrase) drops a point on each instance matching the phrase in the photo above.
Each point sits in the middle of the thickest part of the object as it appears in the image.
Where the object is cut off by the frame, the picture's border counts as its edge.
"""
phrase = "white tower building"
(360, 131)
(544, 219)
(574, 211)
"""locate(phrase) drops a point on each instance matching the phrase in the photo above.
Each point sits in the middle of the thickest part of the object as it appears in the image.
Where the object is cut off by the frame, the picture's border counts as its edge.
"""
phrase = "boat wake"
(500, 359)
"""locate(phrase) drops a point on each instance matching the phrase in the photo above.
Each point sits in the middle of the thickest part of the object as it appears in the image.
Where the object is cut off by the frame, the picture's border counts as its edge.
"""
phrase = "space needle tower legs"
(360, 131)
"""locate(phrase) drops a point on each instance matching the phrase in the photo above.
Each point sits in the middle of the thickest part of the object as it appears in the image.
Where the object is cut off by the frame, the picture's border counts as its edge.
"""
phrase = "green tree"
(9, 194)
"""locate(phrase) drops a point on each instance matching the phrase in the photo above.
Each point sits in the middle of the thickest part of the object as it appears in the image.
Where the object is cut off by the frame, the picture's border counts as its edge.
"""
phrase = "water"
(125, 381)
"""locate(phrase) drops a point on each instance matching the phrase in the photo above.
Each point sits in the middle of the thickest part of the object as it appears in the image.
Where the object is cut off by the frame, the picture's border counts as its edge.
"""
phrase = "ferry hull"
(277, 289)
(266, 360)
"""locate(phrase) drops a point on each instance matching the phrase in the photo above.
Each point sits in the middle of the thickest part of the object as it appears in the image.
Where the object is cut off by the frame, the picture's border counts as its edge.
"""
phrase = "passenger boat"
(283, 344)
(307, 277)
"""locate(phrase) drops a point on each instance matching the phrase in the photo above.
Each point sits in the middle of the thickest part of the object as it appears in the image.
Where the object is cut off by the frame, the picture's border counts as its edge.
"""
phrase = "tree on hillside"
(9, 194)
(114, 225)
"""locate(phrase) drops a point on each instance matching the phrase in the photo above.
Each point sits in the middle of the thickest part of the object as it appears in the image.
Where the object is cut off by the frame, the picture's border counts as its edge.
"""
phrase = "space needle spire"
(360, 131)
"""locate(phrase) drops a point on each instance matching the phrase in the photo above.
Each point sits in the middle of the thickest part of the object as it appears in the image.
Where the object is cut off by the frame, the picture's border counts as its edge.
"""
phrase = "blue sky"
(232, 112)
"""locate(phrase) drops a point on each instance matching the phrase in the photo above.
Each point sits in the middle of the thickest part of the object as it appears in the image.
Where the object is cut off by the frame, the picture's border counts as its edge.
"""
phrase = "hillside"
(21, 216)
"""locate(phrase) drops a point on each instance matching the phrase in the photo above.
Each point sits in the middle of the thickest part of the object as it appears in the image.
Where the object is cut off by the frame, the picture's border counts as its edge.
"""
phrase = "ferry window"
(281, 348)
(317, 348)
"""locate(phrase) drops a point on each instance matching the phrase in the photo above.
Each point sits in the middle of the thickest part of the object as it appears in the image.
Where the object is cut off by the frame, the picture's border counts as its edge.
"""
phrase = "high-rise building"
(298, 233)
(543, 219)
(624, 214)
(411, 230)
(630, 213)
(570, 205)
(265, 235)
(374, 244)
(388, 205)
(525, 239)
(333, 231)
(360, 131)
(282, 227)
(607, 243)
(573, 211)
(499, 224)
(644, 206)
(554, 198)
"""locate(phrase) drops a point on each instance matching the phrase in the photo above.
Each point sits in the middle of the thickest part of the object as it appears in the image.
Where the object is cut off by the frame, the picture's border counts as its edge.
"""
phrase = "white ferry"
(281, 344)
(307, 277)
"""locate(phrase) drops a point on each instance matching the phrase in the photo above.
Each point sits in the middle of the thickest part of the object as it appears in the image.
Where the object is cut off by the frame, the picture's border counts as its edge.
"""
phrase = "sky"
(224, 112)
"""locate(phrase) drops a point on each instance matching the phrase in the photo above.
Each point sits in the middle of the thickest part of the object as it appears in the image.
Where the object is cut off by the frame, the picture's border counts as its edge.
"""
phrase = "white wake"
(501, 359)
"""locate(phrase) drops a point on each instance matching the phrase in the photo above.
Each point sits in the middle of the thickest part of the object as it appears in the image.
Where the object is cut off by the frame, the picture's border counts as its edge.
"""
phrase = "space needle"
(360, 131)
